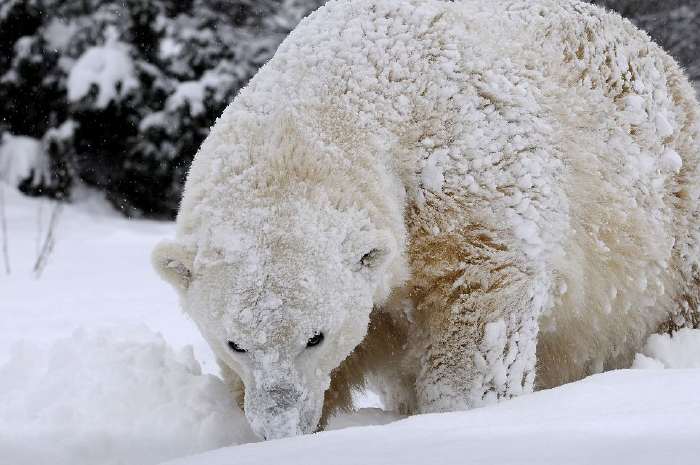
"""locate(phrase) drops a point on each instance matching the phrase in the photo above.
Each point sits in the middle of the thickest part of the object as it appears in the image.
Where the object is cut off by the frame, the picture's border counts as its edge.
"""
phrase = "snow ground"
(99, 274)
(95, 368)
(623, 417)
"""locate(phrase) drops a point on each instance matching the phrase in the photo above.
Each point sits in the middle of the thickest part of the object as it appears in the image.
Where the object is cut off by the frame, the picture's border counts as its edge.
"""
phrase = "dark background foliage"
(186, 60)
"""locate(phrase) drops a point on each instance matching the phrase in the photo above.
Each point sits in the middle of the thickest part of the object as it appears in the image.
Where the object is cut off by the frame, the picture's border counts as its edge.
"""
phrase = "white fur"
(525, 174)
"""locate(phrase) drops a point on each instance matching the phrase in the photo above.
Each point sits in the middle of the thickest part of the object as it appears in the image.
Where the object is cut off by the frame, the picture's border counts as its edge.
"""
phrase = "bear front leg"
(378, 363)
(479, 312)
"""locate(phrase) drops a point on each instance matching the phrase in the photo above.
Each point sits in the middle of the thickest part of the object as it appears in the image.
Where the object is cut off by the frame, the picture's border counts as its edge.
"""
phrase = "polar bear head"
(283, 294)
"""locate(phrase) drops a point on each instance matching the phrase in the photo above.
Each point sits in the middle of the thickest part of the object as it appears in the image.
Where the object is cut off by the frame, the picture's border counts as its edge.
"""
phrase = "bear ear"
(173, 262)
(380, 253)
(374, 258)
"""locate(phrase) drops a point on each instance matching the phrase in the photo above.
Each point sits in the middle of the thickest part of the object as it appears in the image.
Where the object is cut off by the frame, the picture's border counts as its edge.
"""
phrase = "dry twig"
(3, 227)
(49, 240)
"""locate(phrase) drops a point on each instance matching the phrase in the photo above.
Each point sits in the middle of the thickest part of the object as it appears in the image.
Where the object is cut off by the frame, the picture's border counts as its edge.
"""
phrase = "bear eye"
(235, 347)
(370, 258)
(315, 340)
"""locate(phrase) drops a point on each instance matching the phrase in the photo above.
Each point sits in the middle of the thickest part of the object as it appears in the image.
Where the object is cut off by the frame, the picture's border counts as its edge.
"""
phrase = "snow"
(362, 417)
(190, 92)
(193, 93)
(634, 107)
(622, 417)
(671, 161)
(94, 360)
(154, 119)
(98, 275)
(109, 67)
(432, 176)
(64, 131)
(6, 7)
(58, 33)
(95, 369)
(111, 396)
(680, 350)
(663, 127)
(112, 393)
(169, 48)
(22, 157)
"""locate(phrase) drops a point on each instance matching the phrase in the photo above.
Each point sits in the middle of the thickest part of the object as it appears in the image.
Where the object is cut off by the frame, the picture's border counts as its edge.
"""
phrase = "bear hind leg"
(687, 316)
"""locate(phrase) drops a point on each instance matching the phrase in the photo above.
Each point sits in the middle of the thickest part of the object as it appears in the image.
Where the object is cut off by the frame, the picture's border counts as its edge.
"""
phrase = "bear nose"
(284, 395)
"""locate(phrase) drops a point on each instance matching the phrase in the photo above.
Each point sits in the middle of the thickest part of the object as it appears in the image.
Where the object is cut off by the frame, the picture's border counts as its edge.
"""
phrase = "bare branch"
(3, 227)
(49, 240)
(39, 226)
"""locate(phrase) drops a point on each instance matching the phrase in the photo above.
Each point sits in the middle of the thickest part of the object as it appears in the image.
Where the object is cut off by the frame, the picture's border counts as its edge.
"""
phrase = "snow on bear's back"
(402, 74)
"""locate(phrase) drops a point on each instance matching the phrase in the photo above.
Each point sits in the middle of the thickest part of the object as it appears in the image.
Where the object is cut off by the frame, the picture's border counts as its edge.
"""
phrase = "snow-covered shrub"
(121, 93)
(106, 70)
(22, 160)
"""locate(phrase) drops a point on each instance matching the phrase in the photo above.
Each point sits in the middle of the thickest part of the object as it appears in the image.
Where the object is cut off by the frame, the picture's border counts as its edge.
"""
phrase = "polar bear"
(449, 202)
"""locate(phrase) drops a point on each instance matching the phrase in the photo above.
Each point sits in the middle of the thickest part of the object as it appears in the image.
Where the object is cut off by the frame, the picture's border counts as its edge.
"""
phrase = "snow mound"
(679, 350)
(621, 417)
(362, 417)
(111, 397)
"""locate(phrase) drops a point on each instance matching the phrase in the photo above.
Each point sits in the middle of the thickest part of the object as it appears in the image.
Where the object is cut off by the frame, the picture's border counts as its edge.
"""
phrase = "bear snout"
(284, 396)
(279, 409)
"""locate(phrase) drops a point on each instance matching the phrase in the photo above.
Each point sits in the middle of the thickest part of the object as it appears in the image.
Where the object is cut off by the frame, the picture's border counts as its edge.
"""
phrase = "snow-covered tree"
(121, 93)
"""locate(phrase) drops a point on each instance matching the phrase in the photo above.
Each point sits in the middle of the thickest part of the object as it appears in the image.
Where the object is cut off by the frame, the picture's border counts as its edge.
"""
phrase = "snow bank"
(99, 396)
(111, 397)
(99, 274)
(363, 417)
(680, 350)
(622, 417)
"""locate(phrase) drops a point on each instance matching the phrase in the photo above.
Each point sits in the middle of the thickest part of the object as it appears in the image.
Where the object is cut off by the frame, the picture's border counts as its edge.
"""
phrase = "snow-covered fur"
(468, 199)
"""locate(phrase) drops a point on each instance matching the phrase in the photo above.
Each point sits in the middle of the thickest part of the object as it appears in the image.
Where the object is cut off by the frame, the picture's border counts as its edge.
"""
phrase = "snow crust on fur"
(528, 170)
